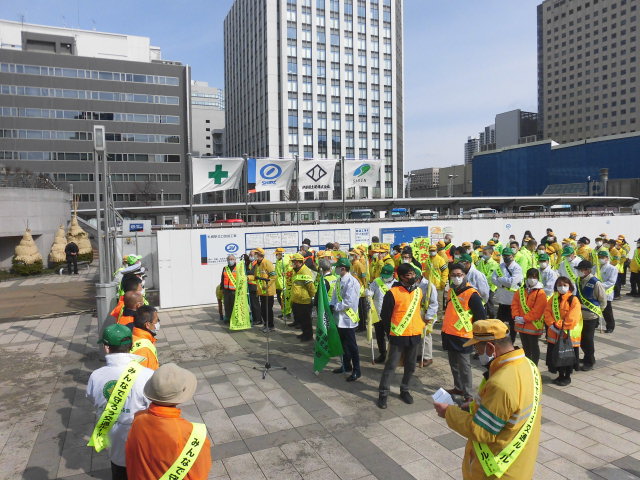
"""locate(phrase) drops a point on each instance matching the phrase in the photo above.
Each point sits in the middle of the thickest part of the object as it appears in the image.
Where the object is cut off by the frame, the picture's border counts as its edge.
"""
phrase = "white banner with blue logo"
(273, 174)
(316, 175)
(361, 173)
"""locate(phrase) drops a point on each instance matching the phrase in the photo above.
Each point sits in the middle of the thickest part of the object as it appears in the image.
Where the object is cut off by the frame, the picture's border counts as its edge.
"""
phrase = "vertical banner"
(420, 248)
(240, 314)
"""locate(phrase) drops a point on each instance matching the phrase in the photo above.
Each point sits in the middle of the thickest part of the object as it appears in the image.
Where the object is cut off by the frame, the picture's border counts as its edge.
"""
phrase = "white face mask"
(602, 261)
(484, 358)
(433, 254)
(551, 239)
(543, 265)
(532, 282)
(156, 326)
(562, 289)
(457, 281)
(496, 239)
(469, 250)
(582, 274)
(406, 260)
(598, 244)
(231, 263)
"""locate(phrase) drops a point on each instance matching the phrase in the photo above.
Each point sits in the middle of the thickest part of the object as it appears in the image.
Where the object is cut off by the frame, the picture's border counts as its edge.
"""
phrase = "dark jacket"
(70, 249)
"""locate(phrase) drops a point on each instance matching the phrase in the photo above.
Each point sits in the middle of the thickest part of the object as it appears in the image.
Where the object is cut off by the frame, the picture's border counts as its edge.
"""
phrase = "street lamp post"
(98, 149)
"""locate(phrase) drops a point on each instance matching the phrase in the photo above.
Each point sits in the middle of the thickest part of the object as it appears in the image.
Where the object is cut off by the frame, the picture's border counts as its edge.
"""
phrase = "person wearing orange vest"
(130, 283)
(228, 286)
(563, 315)
(401, 317)
(132, 301)
(162, 444)
(145, 329)
(527, 309)
(464, 307)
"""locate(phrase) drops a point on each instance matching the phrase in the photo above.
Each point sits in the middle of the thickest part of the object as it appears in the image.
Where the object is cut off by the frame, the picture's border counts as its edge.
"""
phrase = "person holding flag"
(402, 320)
(328, 342)
(345, 301)
(377, 290)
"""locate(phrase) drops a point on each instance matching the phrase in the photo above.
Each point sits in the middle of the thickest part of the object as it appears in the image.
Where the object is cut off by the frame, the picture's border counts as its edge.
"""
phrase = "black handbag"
(563, 354)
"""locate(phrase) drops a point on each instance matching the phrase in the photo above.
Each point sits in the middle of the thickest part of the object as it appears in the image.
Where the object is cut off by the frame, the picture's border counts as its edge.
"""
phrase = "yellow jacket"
(436, 270)
(584, 253)
(615, 256)
(359, 271)
(635, 261)
(554, 251)
(375, 267)
(505, 403)
(265, 269)
(303, 286)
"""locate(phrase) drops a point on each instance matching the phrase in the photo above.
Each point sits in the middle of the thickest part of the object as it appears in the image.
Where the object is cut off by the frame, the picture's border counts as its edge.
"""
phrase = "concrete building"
(526, 170)
(57, 83)
(488, 138)
(587, 68)
(207, 120)
(318, 79)
(516, 127)
(453, 181)
(471, 147)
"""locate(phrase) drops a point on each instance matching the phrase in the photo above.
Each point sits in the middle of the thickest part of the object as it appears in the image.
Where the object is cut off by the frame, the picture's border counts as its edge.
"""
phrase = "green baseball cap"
(568, 250)
(465, 258)
(507, 251)
(343, 262)
(116, 335)
(543, 257)
(477, 243)
(603, 253)
(387, 270)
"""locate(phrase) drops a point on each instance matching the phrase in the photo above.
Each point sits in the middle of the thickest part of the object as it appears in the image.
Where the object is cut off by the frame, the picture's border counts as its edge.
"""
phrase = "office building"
(318, 79)
(516, 127)
(57, 83)
(527, 170)
(487, 138)
(453, 181)
(207, 120)
(471, 147)
(587, 68)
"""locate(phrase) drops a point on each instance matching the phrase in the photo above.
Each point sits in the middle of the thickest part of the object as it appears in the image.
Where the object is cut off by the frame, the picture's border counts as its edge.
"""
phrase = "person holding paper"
(503, 427)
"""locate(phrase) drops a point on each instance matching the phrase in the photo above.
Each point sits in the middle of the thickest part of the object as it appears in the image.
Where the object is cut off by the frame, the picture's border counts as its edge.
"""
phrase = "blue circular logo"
(270, 171)
(232, 248)
(508, 226)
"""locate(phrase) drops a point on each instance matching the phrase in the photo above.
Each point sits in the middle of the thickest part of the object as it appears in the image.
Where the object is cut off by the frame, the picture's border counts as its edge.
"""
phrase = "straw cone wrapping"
(27, 251)
(79, 236)
(57, 255)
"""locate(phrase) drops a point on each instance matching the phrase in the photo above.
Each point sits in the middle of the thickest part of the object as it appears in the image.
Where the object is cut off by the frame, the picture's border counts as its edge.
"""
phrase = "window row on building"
(87, 74)
(19, 112)
(87, 95)
(133, 197)
(86, 136)
(88, 156)
(117, 177)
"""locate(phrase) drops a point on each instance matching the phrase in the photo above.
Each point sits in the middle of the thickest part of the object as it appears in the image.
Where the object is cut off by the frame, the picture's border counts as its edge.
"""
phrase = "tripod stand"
(267, 364)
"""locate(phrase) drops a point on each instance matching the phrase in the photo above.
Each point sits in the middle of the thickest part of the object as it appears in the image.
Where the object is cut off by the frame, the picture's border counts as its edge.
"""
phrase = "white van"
(432, 214)
(481, 211)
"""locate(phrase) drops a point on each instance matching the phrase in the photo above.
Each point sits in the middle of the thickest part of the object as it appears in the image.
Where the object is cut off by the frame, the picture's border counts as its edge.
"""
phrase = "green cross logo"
(218, 174)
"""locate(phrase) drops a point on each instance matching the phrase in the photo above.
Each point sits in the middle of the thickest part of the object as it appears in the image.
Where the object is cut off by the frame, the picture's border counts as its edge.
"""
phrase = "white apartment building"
(317, 79)
(207, 120)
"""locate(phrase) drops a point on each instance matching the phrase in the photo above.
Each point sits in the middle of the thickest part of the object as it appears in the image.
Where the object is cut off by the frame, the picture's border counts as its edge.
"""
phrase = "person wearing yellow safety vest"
(607, 274)
(303, 288)
(360, 272)
(569, 264)
(593, 254)
(344, 304)
(526, 256)
(475, 278)
(436, 270)
(527, 308)
(634, 276)
(497, 245)
(476, 252)
(463, 308)
(377, 290)
(145, 329)
(593, 298)
(548, 275)
(502, 428)
(562, 317)
(115, 404)
(402, 320)
(553, 249)
(487, 265)
(508, 278)
(250, 265)
(162, 444)
(381, 259)
(583, 251)
(281, 266)
(617, 259)
(228, 285)
(265, 277)
(330, 278)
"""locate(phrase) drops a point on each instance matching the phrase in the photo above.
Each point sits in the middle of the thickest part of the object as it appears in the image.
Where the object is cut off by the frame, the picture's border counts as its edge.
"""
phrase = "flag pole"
(246, 187)
(297, 189)
(344, 208)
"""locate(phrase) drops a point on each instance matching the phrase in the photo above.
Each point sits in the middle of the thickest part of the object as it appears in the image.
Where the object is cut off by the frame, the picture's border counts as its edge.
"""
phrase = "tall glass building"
(317, 79)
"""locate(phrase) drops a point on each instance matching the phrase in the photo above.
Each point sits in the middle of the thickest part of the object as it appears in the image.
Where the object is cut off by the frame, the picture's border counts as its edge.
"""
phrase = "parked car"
(362, 213)
(430, 214)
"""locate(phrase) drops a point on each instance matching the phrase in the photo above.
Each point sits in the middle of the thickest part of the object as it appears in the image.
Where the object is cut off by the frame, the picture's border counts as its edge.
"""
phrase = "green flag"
(240, 319)
(328, 342)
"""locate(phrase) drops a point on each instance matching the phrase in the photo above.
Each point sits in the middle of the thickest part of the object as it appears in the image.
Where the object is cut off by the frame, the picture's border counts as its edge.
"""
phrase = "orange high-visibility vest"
(451, 317)
(403, 301)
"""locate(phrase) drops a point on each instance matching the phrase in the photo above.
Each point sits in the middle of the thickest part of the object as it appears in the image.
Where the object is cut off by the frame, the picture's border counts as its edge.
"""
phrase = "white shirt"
(511, 278)
(479, 281)
(609, 275)
(432, 306)
(548, 279)
(350, 291)
(136, 401)
(377, 294)
(562, 269)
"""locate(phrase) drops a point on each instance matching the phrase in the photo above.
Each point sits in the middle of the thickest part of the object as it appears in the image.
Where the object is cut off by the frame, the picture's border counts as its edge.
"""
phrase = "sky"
(465, 60)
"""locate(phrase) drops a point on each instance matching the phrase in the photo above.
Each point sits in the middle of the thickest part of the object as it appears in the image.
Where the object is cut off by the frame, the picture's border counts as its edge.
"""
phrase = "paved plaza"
(294, 424)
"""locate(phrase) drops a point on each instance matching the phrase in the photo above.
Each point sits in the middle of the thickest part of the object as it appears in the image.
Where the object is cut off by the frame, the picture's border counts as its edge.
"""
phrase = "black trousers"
(587, 342)
(381, 338)
(228, 300)
(72, 260)
(607, 313)
(279, 297)
(254, 306)
(302, 316)
(395, 352)
(504, 314)
(266, 310)
(363, 310)
(351, 356)
(118, 472)
(619, 282)
(634, 280)
(531, 346)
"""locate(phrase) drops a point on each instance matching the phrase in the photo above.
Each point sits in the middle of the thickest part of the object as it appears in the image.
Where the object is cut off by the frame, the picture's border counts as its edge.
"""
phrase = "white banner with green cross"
(215, 174)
